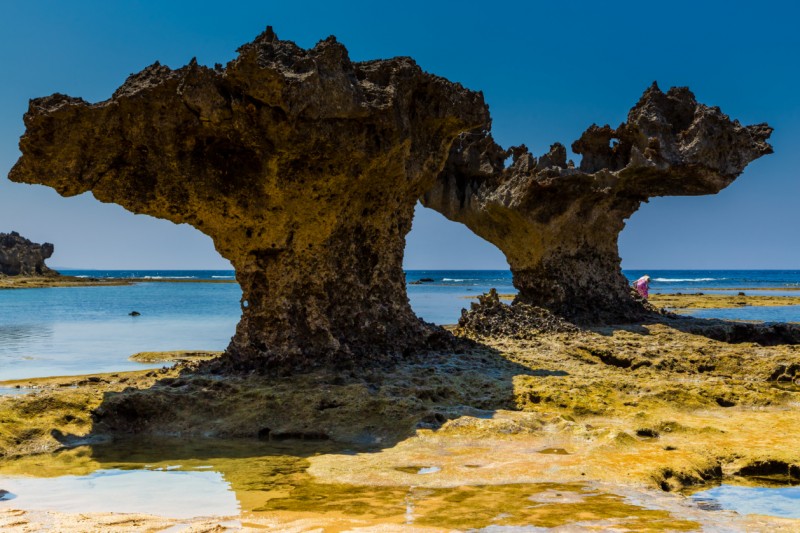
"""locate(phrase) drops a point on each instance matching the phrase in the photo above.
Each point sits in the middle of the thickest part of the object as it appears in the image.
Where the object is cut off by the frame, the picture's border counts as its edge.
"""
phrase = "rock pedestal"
(558, 225)
(302, 166)
(21, 257)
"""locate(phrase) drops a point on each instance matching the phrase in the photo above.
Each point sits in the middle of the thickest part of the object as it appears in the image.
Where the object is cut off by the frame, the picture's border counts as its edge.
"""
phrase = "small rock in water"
(742, 294)
(134, 313)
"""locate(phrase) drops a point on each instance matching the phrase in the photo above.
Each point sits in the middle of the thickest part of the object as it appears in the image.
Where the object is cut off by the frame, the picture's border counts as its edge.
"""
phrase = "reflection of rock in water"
(558, 225)
(302, 166)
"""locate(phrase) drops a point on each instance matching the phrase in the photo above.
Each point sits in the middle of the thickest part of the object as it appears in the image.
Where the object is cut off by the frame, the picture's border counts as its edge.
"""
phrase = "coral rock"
(302, 166)
(558, 225)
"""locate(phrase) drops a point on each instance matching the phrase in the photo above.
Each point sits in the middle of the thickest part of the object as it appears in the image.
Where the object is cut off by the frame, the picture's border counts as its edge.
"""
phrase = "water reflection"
(171, 494)
(254, 480)
(783, 502)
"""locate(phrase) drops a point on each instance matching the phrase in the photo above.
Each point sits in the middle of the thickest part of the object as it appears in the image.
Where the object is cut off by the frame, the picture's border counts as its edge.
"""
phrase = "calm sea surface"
(75, 330)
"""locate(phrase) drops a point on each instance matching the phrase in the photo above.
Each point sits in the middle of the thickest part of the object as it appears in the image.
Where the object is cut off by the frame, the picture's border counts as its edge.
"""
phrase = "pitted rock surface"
(21, 257)
(491, 318)
(302, 166)
(558, 225)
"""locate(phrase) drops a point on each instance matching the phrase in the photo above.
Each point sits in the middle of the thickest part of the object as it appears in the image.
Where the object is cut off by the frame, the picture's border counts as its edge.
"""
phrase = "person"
(642, 286)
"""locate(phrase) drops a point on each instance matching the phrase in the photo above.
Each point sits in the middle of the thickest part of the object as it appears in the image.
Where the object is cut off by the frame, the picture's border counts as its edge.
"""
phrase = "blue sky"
(548, 70)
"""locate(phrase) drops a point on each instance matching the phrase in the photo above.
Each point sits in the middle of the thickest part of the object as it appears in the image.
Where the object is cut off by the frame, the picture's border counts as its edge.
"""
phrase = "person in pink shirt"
(642, 286)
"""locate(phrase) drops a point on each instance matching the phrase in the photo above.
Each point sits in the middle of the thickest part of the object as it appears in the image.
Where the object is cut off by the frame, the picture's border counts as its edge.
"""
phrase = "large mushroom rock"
(302, 166)
(558, 225)
(21, 257)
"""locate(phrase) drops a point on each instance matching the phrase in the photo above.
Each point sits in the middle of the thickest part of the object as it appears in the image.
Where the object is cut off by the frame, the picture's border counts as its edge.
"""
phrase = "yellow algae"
(171, 356)
(680, 302)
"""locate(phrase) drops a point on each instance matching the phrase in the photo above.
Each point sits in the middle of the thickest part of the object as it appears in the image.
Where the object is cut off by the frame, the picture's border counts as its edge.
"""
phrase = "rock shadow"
(372, 404)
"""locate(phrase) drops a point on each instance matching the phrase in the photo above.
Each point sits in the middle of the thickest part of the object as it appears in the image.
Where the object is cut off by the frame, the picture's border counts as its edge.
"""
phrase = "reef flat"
(647, 408)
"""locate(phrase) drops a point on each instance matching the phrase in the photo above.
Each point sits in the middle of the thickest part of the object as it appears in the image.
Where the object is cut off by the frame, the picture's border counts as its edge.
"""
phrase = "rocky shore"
(636, 408)
(305, 167)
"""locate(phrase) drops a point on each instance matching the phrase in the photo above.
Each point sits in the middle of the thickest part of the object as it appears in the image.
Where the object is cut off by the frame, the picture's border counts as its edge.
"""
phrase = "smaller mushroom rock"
(558, 225)
(21, 257)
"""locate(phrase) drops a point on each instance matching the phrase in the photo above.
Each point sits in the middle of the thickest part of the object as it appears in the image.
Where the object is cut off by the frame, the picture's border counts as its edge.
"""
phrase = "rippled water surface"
(78, 330)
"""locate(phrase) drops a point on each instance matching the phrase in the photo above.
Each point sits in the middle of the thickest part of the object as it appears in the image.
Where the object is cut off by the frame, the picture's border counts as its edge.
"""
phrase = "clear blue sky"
(548, 70)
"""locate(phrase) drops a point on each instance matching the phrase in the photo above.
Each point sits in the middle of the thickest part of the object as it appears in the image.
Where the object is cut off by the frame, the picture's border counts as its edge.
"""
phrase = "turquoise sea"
(76, 330)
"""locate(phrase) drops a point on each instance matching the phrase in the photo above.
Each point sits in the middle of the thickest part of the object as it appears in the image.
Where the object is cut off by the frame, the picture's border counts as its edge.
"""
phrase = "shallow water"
(783, 502)
(246, 479)
(783, 313)
(81, 330)
(171, 494)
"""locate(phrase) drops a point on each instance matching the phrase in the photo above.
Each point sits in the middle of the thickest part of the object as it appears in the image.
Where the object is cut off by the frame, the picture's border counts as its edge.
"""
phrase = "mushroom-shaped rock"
(302, 166)
(558, 225)
(21, 257)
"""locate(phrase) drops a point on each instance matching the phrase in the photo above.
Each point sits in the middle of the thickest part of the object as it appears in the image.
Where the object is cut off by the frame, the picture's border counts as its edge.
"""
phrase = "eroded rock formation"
(21, 257)
(302, 166)
(558, 225)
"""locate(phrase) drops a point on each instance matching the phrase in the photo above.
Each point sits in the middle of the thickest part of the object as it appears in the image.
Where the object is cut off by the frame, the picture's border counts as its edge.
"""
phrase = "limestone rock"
(21, 257)
(489, 317)
(302, 166)
(558, 225)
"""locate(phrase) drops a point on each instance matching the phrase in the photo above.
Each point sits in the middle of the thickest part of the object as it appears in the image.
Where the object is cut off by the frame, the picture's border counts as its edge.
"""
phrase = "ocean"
(77, 330)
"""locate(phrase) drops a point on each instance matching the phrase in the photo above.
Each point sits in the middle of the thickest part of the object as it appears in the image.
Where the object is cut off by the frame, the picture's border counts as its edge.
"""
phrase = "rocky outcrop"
(21, 257)
(558, 225)
(302, 166)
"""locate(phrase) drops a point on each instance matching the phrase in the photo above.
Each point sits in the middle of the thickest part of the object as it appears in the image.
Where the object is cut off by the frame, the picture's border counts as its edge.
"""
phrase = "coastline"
(646, 410)
(24, 282)
(637, 413)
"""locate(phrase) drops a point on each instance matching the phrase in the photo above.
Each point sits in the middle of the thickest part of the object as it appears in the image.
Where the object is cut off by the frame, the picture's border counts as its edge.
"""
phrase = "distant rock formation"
(302, 166)
(558, 225)
(21, 257)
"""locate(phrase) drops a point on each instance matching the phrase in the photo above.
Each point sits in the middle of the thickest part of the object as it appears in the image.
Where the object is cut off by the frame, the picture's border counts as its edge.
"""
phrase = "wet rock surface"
(21, 257)
(558, 225)
(303, 167)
